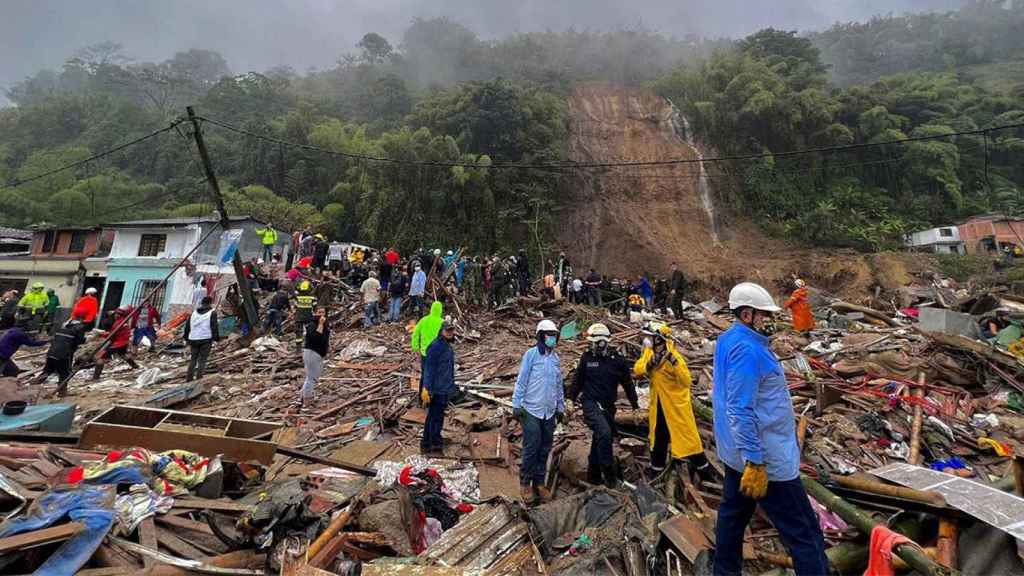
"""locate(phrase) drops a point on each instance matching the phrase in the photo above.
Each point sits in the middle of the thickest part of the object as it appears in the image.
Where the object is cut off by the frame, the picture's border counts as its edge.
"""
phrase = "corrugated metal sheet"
(492, 539)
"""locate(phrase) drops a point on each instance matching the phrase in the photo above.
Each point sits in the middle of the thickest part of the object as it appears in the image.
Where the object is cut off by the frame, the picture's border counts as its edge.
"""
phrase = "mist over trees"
(440, 93)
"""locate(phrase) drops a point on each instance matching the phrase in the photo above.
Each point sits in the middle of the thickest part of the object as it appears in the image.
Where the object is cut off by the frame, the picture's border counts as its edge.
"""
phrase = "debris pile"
(904, 411)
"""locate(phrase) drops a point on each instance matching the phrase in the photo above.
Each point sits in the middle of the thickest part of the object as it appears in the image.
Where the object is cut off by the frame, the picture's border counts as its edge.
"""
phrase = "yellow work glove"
(754, 483)
(425, 397)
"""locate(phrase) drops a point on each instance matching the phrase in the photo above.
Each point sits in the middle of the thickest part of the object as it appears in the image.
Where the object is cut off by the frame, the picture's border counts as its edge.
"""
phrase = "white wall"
(933, 236)
(179, 241)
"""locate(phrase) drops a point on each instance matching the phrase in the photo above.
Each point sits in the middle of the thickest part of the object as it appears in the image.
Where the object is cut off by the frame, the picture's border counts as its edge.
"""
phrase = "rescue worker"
(202, 329)
(538, 401)
(268, 238)
(756, 439)
(598, 376)
(87, 307)
(120, 342)
(60, 357)
(277, 308)
(52, 304)
(370, 290)
(304, 302)
(800, 307)
(10, 341)
(424, 333)
(670, 417)
(33, 305)
(145, 324)
(438, 385)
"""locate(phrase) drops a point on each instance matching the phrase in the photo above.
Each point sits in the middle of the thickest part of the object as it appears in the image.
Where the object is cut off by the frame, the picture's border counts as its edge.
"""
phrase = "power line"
(95, 157)
(585, 165)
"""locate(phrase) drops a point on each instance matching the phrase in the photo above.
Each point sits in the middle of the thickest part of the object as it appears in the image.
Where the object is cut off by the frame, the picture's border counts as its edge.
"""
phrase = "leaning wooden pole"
(915, 428)
(909, 553)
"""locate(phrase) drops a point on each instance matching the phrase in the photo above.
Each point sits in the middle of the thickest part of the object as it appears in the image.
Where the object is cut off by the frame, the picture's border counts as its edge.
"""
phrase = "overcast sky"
(259, 34)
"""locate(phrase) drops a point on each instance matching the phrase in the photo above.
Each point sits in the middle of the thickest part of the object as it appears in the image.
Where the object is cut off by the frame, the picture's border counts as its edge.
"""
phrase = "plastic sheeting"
(90, 505)
(573, 515)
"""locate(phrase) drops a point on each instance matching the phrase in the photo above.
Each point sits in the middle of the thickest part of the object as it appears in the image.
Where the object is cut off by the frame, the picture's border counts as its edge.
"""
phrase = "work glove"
(519, 413)
(424, 397)
(754, 483)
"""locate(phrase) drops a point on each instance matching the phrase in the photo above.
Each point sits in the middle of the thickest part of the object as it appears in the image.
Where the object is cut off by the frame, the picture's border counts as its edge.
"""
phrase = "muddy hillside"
(627, 220)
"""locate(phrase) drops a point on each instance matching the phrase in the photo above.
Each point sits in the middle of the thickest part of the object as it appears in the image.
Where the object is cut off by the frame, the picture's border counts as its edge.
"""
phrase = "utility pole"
(248, 303)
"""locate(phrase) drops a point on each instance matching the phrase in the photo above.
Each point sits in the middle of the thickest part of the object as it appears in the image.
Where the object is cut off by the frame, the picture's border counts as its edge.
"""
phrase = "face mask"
(550, 341)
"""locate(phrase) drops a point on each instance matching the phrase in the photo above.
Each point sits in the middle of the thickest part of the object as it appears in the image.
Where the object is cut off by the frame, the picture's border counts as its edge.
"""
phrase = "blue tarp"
(48, 418)
(90, 505)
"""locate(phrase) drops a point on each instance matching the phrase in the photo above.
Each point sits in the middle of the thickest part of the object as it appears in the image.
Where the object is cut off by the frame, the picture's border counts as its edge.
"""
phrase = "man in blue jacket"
(756, 440)
(438, 386)
(538, 401)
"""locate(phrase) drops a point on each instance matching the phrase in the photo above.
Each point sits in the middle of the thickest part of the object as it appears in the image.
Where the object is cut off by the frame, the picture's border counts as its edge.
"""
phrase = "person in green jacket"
(52, 303)
(33, 305)
(426, 331)
(268, 237)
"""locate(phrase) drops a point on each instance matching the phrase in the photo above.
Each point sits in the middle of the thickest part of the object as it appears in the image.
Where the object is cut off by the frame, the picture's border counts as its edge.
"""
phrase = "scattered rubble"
(899, 409)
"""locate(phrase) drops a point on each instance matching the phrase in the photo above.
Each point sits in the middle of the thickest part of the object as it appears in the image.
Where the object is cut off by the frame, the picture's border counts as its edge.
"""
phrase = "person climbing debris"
(755, 435)
(538, 401)
(438, 386)
(599, 374)
(670, 416)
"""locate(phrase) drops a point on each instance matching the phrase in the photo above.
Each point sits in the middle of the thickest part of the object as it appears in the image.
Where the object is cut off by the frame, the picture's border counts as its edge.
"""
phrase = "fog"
(259, 34)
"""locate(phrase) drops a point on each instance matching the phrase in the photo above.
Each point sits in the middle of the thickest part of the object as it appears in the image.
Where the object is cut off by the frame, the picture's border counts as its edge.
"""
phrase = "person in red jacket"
(87, 307)
(391, 256)
(120, 342)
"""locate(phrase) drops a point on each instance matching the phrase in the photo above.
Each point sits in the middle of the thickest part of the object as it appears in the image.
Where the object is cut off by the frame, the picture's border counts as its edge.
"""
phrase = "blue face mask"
(550, 341)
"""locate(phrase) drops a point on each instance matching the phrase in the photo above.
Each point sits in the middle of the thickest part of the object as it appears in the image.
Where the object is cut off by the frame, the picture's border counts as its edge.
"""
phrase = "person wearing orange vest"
(800, 307)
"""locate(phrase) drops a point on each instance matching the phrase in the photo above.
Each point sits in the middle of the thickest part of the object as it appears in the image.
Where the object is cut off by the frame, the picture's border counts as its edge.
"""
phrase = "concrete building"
(66, 259)
(991, 233)
(15, 242)
(145, 251)
(941, 240)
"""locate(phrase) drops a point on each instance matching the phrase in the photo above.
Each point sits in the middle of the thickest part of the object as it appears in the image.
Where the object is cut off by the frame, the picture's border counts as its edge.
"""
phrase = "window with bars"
(152, 244)
(144, 287)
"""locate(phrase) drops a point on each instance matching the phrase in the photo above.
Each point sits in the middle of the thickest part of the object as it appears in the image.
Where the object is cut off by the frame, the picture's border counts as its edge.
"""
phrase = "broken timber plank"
(180, 547)
(184, 523)
(40, 537)
(147, 538)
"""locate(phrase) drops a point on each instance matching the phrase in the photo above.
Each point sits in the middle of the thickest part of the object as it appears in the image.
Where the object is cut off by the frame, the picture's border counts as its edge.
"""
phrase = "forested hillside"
(440, 95)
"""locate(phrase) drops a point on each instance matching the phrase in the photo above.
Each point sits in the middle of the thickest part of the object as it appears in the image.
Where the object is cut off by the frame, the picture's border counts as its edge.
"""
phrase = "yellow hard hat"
(304, 285)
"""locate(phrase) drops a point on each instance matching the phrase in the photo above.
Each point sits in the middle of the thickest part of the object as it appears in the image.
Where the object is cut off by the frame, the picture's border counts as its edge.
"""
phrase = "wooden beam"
(40, 537)
(185, 523)
(147, 538)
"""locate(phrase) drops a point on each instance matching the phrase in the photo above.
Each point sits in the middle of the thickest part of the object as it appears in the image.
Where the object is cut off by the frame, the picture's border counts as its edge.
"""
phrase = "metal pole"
(248, 303)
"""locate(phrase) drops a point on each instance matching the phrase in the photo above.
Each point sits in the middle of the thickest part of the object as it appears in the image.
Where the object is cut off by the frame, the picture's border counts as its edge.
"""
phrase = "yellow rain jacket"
(670, 388)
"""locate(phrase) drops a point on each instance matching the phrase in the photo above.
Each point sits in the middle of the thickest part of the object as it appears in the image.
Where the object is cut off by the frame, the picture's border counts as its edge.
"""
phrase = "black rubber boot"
(594, 475)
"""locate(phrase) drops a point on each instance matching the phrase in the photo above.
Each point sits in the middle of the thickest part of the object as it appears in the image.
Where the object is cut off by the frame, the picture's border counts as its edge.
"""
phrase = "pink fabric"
(883, 540)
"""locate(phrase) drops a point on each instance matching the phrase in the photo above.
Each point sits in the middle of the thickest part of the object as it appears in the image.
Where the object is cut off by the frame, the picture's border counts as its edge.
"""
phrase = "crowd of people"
(753, 414)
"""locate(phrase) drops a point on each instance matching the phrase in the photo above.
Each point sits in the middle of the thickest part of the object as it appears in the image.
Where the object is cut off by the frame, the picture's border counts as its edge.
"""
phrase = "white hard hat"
(546, 326)
(598, 332)
(449, 253)
(800, 283)
(90, 290)
(753, 296)
(437, 251)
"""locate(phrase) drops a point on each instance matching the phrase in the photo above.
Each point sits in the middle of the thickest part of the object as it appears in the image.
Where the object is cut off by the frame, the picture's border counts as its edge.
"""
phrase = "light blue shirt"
(753, 410)
(539, 387)
(419, 283)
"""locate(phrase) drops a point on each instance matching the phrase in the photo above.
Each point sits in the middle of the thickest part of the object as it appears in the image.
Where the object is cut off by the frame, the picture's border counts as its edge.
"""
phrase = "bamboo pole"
(866, 485)
(915, 429)
(912, 554)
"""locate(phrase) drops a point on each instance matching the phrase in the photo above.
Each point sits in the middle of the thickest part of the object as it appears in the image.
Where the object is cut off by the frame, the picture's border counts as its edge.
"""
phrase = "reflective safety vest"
(305, 301)
(636, 300)
(268, 235)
